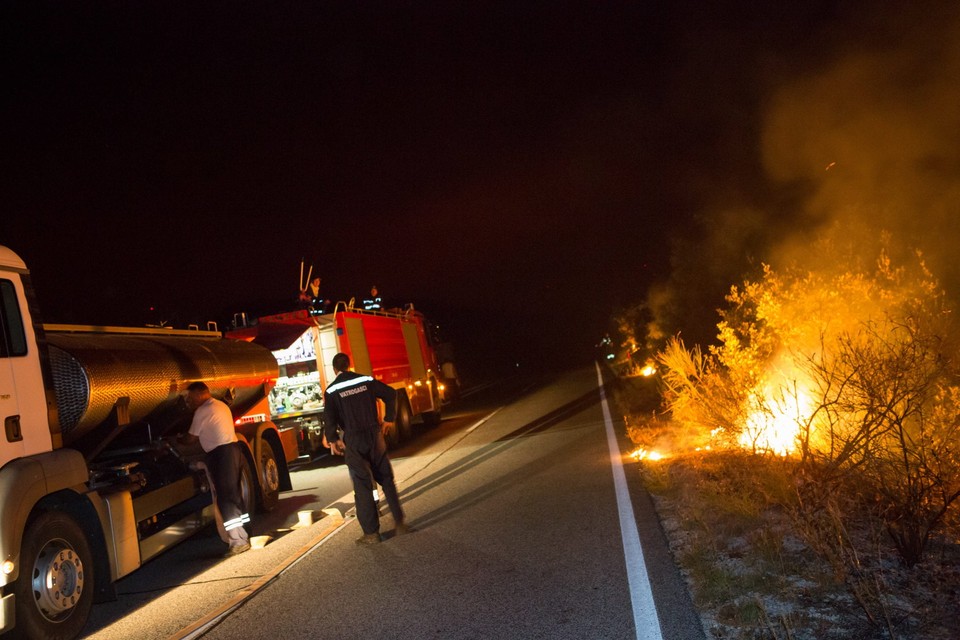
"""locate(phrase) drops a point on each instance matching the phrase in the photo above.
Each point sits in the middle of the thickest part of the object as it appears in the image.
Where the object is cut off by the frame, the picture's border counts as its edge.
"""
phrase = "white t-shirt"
(213, 424)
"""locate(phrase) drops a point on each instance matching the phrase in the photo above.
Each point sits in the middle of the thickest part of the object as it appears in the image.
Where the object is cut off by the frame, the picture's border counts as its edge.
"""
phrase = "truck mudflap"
(7, 617)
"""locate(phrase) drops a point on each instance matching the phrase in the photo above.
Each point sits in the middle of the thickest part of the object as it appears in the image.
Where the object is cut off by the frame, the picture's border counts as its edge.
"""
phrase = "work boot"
(237, 549)
(369, 538)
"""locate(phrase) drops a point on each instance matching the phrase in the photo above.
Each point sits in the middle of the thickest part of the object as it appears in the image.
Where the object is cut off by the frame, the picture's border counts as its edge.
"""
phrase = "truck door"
(11, 445)
(22, 395)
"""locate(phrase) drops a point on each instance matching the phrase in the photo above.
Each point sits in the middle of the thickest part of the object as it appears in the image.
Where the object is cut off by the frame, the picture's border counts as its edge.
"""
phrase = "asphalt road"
(519, 534)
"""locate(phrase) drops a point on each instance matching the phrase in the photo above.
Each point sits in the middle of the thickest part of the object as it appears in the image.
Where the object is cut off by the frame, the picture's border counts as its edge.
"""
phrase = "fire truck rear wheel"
(404, 420)
(54, 591)
(269, 476)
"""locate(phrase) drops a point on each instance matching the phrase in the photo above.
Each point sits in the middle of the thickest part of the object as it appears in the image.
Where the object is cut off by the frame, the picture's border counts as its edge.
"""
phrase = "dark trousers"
(224, 463)
(368, 462)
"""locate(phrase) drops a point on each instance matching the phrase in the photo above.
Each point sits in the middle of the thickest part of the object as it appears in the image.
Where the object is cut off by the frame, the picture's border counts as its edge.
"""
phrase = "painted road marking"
(641, 594)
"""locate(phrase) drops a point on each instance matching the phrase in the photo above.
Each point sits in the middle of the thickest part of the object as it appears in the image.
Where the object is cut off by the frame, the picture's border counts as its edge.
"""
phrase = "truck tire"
(268, 473)
(248, 486)
(404, 420)
(315, 444)
(54, 591)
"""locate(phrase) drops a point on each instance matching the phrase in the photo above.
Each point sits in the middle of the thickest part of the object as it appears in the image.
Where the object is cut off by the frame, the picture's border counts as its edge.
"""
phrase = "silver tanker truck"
(91, 486)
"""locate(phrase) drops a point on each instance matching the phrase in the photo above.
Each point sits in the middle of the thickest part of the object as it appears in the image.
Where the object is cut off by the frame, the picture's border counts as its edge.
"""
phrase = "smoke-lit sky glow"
(517, 169)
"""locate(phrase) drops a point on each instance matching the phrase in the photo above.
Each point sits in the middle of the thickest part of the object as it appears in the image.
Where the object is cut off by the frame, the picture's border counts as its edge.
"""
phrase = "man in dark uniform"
(350, 404)
(310, 297)
(374, 302)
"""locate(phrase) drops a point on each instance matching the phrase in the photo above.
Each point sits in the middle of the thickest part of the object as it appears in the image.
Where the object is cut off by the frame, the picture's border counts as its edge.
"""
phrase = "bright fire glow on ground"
(648, 370)
(645, 454)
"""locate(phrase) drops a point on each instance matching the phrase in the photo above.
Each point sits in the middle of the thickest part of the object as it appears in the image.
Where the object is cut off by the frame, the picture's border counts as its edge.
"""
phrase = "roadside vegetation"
(806, 469)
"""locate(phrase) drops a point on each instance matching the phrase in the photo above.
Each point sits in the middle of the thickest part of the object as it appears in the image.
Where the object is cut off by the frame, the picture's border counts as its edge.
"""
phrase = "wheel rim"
(271, 473)
(57, 579)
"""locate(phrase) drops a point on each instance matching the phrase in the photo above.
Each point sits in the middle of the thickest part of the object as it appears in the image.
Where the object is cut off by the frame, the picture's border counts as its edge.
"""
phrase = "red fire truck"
(396, 347)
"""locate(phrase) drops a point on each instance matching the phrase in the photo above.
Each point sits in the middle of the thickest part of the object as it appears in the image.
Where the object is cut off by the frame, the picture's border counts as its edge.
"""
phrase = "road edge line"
(641, 592)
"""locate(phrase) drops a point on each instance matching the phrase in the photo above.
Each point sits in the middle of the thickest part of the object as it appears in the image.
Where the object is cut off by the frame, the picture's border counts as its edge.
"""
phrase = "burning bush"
(853, 373)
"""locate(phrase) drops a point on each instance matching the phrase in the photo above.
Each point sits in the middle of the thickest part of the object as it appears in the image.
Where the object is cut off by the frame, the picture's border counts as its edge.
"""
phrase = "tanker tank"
(92, 370)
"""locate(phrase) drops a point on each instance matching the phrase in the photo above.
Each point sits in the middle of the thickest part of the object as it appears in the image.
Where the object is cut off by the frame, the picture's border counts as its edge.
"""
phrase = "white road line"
(644, 610)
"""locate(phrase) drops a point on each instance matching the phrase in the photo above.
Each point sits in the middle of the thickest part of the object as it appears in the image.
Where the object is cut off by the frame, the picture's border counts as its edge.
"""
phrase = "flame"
(774, 424)
(648, 370)
(645, 454)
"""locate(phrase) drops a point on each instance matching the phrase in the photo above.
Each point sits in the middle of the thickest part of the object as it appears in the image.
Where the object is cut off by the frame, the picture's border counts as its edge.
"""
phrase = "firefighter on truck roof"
(373, 302)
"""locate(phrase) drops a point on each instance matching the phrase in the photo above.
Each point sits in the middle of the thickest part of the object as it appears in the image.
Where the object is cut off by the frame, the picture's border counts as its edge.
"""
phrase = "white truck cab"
(23, 401)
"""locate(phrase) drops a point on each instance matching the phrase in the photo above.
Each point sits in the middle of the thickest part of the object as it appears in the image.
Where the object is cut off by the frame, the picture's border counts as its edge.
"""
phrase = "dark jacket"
(350, 403)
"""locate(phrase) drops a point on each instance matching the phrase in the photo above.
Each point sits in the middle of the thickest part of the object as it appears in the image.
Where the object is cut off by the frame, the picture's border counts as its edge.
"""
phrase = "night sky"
(517, 170)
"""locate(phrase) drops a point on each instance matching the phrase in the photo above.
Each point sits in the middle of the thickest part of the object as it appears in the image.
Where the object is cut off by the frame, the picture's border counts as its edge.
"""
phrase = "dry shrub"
(836, 525)
(839, 521)
(855, 370)
(635, 395)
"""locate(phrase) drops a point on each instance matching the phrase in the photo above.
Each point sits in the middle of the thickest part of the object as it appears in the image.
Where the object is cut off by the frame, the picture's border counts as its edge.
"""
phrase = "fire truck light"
(7, 567)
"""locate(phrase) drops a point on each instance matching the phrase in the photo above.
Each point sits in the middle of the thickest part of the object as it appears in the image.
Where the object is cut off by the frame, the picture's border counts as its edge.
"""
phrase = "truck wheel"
(404, 427)
(248, 486)
(315, 443)
(54, 591)
(269, 476)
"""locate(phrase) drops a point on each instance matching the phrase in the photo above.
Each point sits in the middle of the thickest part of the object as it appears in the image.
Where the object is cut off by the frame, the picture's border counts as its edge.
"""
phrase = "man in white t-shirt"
(213, 427)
